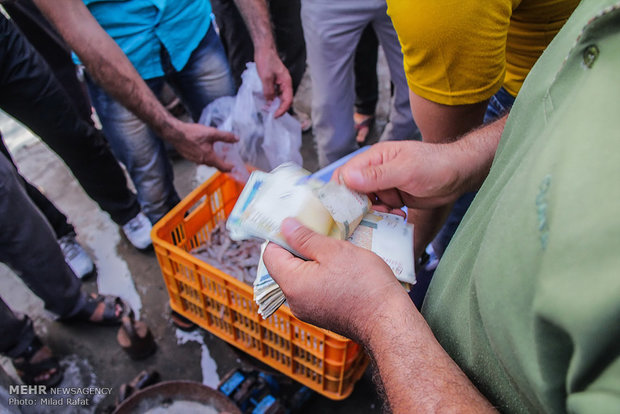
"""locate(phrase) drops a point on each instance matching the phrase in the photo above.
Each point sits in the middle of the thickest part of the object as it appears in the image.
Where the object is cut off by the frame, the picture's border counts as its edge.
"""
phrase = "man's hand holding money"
(342, 287)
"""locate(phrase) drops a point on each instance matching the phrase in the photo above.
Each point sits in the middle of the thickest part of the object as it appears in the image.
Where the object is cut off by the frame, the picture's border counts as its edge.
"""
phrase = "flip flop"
(135, 338)
(367, 125)
(182, 322)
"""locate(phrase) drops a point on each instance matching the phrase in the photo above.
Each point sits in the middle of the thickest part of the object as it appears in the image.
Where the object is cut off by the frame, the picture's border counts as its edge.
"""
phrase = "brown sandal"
(135, 338)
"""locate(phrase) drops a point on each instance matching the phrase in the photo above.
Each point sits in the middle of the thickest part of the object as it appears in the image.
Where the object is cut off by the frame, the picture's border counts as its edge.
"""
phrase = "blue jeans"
(499, 105)
(205, 77)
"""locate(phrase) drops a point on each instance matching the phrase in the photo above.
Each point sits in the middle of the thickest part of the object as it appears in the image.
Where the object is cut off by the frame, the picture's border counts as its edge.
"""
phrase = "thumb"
(370, 178)
(217, 135)
(306, 242)
(268, 88)
(218, 163)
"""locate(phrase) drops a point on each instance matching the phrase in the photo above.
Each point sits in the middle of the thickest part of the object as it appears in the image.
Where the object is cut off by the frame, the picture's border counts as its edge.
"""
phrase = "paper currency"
(267, 294)
(330, 209)
(268, 198)
(391, 238)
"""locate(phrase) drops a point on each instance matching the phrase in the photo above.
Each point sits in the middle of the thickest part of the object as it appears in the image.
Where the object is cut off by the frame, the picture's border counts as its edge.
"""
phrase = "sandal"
(44, 371)
(182, 322)
(135, 338)
(114, 308)
(142, 380)
(364, 125)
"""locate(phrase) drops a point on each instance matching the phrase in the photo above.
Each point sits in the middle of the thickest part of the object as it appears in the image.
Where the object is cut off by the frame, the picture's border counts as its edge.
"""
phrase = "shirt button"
(590, 55)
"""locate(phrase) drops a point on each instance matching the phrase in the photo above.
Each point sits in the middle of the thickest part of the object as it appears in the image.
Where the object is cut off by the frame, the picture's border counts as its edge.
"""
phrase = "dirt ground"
(90, 355)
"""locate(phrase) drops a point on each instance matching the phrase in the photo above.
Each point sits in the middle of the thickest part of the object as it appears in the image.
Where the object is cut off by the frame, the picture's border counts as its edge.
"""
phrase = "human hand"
(195, 142)
(405, 173)
(342, 287)
(275, 78)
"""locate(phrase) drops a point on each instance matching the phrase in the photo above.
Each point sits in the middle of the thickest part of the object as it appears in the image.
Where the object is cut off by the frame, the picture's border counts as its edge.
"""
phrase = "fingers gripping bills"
(329, 209)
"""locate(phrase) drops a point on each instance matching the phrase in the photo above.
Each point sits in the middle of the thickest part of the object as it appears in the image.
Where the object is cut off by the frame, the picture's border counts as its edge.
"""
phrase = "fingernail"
(354, 178)
(289, 226)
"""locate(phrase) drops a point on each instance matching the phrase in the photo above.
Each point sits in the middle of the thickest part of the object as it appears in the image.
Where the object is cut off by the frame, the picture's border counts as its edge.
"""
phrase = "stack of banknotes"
(330, 209)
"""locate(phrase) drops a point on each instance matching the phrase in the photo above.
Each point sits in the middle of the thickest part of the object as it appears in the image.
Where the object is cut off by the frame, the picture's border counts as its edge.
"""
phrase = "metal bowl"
(186, 395)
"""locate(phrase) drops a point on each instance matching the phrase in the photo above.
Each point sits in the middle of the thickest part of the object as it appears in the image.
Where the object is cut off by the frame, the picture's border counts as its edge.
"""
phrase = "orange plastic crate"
(322, 360)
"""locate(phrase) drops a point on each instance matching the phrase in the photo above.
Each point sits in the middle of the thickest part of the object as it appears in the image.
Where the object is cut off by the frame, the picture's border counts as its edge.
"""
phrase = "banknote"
(391, 238)
(330, 209)
(267, 294)
(268, 198)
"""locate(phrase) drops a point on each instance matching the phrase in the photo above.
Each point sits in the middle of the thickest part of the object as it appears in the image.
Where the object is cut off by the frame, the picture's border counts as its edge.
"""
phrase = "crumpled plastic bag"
(264, 141)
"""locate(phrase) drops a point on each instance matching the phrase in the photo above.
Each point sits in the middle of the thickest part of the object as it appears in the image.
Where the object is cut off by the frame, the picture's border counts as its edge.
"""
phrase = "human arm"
(423, 176)
(111, 69)
(352, 291)
(274, 75)
(439, 123)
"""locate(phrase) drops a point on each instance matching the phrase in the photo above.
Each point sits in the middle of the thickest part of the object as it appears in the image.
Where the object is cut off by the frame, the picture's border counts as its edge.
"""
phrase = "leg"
(366, 81)
(234, 37)
(289, 37)
(286, 20)
(55, 217)
(331, 31)
(50, 45)
(28, 246)
(499, 105)
(140, 150)
(205, 77)
(32, 95)
(16, 332)
(401, 124)
(366, 84)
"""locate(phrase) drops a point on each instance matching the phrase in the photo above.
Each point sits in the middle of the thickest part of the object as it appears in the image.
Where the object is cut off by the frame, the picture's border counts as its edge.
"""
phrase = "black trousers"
(30, 93)
(55, 217)
(52, 47)
(288, 33)
(28, 246)
(365, 67)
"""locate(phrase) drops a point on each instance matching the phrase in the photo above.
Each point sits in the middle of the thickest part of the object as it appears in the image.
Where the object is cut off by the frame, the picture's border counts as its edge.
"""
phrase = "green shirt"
(527, 297)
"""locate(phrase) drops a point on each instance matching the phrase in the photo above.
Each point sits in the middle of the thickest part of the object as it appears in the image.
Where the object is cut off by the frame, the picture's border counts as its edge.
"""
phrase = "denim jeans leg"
(205, 77)
(141, 151)
(498, 106)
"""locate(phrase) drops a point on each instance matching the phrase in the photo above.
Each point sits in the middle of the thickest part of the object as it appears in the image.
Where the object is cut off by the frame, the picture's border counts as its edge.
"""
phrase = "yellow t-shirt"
(462, 51)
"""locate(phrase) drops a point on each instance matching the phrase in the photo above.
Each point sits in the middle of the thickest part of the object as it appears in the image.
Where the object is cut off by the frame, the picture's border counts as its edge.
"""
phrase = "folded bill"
(268, 198)
(391, 238)
(330, 209)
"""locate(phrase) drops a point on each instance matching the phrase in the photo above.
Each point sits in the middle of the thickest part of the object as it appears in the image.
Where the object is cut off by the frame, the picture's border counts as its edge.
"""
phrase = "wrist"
(264, 49)
(168, 128)
(386, 318)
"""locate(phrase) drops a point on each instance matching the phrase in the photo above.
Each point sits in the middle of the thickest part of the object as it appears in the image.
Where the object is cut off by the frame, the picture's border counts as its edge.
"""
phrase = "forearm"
(471, 158)
(256, 17)
(106, 63)
(417, 375)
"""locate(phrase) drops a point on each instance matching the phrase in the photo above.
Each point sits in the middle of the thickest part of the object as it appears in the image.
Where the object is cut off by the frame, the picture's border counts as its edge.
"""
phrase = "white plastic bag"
(264, 141)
